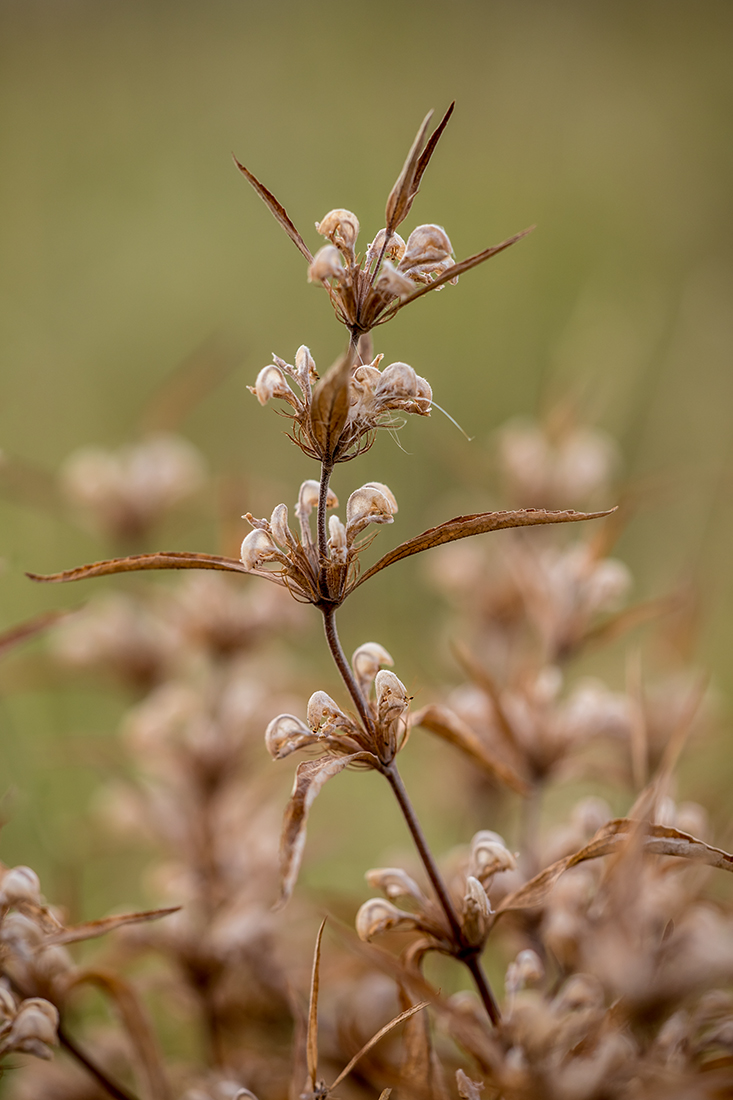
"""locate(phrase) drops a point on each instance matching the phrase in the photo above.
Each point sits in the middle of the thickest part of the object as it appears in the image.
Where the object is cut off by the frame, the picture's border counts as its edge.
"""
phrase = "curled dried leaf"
(310, 778)
(91, 929)
(138, 562)
(463, 527)
(657, 839)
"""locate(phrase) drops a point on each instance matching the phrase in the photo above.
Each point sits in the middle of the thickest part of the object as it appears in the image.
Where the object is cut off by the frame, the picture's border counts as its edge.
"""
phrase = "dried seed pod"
(525, 970)
(394, 251)
(308, 497)
(257, 548)
(286, 734)
(341, 227)
(367, 661)
(427, 244)
(476, 912)
(327, 264)
(398, 381)
(337, 541)
(392, 697)
(20, 885)
(323, 709)
(489, 855)
(377, 916)
(394, 283)
(366, 505)
(271, 383)
(34, 1029)
(394, 883)
(279, 525)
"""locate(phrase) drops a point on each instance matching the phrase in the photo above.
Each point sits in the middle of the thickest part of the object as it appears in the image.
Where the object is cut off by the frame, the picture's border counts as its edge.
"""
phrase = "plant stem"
(465, 952)
(109, 1086)
(339, 657)
(326, 472)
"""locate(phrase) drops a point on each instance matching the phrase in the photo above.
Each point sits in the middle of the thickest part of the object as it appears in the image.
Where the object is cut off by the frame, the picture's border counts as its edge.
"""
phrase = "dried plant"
(619, 984)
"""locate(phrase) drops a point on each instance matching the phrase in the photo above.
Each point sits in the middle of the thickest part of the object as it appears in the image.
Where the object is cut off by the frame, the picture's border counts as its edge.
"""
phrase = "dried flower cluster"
(620, 968)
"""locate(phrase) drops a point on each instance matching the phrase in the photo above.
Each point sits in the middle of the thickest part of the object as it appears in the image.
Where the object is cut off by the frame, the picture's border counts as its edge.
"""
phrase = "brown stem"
(326, 472)
(334, 644)
(465, 952)
(109, 1086)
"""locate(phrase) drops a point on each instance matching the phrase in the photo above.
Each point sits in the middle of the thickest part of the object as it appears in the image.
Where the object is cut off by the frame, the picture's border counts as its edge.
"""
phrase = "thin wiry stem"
(339, 657)
(326, 472)
(465, 952)
(110, 1087)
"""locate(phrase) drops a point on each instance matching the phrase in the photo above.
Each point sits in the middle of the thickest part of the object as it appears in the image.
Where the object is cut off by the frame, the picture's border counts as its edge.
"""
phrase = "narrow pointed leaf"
(28, 629)
(330, 406)
(463, 527)
(658, 840)
(312, 1037)
(428, 152)
(399, 197)
(443, 722)
(459, 268)
(375, 1039)
(277, 209)
(89, 930)
(173, 559)
(310, 777)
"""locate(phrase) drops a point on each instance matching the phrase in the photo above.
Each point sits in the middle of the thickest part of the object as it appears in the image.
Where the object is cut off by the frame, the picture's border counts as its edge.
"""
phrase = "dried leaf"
(459, 268)
(421, 1075)
(89, 930)
(30, 628)
(428, 152)
(375, 1039)
(463, 527)
(139, 1029)
(277, 209)
(401, 195)
(443, 722)
(330, 406)
(173, 559)
(310, 777)
(658, 839)
(468, 1089)
(311, 1046)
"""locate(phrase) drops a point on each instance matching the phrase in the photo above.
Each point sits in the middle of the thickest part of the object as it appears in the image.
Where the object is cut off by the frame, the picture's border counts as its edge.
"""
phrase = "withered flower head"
(336, 419)
(272, 551)
(367, 291)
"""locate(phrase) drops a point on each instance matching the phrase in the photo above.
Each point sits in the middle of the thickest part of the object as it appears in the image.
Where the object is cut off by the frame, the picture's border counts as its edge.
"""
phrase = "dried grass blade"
(463, 527)
(138, 1027)
(659, 840)
(375, 1039)
(463, 265)
(91, 929)
(399, 197)
(311, 1046)
(310, 777)
(277, 209)
(28, 629)
(443, 722)
(173, 559)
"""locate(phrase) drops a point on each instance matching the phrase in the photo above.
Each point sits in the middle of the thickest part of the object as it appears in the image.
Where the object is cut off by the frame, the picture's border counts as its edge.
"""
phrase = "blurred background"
(144, 284)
